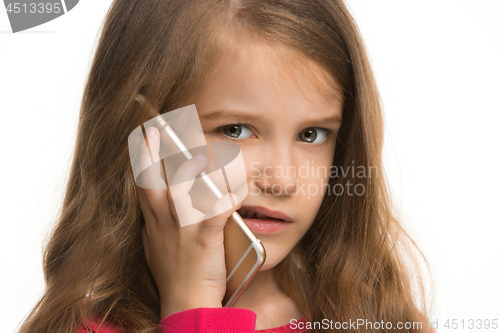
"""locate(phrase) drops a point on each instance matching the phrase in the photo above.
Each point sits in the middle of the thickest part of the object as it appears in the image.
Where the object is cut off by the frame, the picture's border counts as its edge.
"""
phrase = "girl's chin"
(273, 256)
(267, 266)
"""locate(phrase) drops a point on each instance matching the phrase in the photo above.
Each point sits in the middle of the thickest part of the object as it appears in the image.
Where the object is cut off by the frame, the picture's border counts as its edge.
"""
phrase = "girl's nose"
(275, 174)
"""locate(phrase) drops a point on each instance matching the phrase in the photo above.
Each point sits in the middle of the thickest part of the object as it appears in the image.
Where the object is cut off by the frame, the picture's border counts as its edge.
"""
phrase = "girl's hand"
(187, 262)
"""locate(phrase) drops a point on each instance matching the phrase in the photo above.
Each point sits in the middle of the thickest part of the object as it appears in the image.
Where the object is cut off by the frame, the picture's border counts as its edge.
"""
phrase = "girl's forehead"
(262, 77)
(271, 84)
(280, 66)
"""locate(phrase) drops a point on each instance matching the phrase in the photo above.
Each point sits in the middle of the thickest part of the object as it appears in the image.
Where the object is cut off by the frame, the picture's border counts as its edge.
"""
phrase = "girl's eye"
(235, 130)
(313, 135)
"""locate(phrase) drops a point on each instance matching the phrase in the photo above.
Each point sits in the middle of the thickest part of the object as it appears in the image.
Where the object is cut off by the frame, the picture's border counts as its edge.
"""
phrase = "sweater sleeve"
(210, 320)
(96, 326)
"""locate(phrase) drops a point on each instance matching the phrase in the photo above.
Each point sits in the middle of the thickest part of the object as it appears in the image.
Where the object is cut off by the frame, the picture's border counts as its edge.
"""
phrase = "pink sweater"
(210, 320)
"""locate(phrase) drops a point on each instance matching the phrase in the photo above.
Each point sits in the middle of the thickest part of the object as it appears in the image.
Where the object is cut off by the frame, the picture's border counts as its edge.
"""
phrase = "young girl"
(290, 83)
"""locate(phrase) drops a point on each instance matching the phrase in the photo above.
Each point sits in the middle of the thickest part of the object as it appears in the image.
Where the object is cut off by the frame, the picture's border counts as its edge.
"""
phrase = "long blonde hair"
(355, 262)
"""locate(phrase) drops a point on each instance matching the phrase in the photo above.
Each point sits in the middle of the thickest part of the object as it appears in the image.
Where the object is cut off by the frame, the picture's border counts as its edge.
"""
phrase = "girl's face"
(285, 125)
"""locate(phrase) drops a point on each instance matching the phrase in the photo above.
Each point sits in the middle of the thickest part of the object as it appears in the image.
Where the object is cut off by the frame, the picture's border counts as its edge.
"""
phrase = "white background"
(437, 67)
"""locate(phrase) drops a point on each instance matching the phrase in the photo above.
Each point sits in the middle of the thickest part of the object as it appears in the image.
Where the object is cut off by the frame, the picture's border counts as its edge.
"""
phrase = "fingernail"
(200, 157)
(150, 132)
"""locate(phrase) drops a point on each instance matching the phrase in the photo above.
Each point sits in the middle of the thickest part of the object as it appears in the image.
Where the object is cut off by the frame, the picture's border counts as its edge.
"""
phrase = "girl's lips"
(268, 212)
(260, 226)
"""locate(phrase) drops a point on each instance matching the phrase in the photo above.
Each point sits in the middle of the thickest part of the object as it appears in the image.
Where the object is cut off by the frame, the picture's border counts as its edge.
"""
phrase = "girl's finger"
(149, 161)
(153, 186)
(185, 175)
(180, 185)
(222, 209)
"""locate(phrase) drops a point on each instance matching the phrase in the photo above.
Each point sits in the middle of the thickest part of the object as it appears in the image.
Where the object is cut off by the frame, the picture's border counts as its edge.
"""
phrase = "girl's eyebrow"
(330, 119)
(229, 113)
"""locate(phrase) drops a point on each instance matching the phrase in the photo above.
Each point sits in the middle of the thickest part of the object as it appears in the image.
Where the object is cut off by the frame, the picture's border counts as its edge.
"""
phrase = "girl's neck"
(263, 286)
(272, 306)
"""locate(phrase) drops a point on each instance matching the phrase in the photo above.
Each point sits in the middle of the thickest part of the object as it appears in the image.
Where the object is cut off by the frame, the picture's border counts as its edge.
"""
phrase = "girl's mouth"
(248, 213)
(261, 223)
